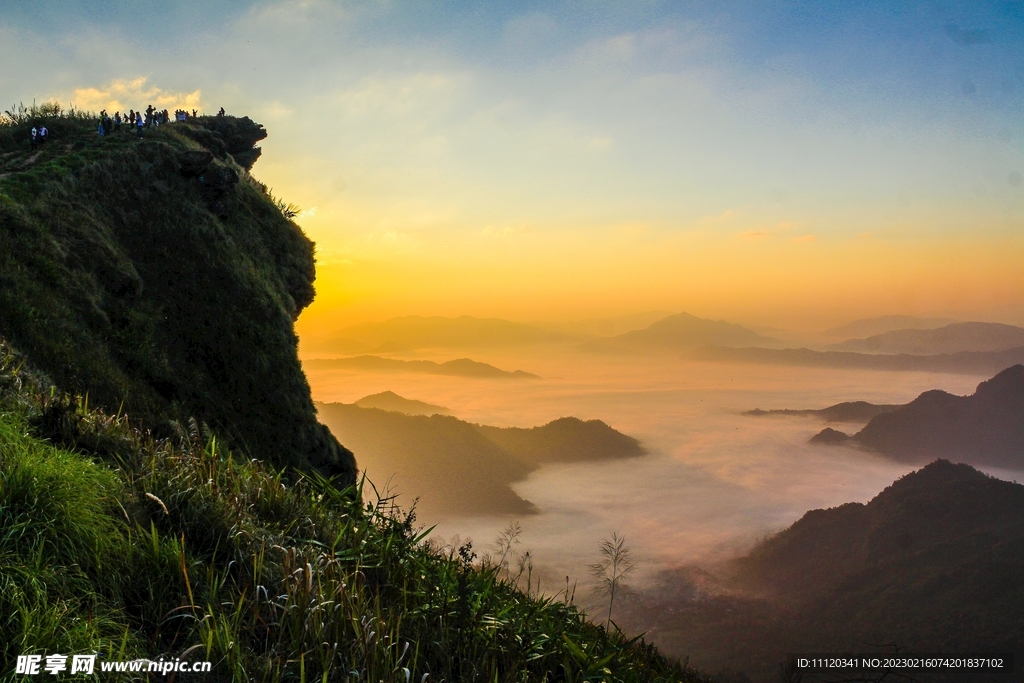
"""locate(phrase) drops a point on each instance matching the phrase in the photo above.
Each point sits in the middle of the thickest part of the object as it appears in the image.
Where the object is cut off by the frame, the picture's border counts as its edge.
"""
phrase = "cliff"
(156, 276)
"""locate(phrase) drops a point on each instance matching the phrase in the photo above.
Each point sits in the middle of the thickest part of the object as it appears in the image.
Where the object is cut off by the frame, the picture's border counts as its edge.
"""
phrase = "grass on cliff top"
(114, 543)
(158, 275)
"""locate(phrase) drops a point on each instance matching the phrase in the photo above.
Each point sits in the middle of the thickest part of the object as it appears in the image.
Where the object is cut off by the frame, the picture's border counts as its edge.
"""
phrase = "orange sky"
(763, 166)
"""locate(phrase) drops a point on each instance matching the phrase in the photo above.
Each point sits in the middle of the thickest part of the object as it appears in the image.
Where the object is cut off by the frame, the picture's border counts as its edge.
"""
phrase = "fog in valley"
(713, 481)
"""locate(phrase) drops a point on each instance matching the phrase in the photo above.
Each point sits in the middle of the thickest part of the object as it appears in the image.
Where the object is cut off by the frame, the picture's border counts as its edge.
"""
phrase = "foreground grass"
(112, 542)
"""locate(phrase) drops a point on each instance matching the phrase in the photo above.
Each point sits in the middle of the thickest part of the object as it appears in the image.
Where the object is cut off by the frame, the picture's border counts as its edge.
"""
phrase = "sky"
(787, 163)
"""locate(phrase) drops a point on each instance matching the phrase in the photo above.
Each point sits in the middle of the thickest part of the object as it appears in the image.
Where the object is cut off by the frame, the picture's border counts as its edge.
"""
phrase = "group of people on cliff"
(134, 120)
(139, 120)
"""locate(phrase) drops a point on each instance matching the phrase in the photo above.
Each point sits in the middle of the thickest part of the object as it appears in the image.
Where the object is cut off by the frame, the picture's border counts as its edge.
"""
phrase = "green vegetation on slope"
(114, 542)
(158, 277)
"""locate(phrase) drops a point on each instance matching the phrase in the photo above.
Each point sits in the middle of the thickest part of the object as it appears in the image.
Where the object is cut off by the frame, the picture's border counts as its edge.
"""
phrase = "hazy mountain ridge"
(389, 400)
(605, 327)
(460, 367)
(849, 411)
(955, 338)
(418, 332)
(678, 333)
(966, 362)
(867, 327)
(985, 428)
(457, 467)
(158, 277)
(930, 564)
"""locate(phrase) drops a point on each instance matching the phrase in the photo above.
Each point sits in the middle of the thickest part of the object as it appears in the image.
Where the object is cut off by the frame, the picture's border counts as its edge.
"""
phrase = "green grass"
(166, 293)
(114, 542)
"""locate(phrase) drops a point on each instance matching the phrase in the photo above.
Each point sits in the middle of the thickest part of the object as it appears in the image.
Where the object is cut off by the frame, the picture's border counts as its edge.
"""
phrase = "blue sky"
(565, 141)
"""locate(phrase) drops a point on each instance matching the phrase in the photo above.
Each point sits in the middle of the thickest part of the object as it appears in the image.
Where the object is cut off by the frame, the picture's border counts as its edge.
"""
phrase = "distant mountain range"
(866, 327)
(931, 564)
(955, 338)
(459, 468)
(417, 332)
(967, 362)
(851, 411)
(986, 428)
(678, 333)
(389, 400)
(461, 367)
(605, 327)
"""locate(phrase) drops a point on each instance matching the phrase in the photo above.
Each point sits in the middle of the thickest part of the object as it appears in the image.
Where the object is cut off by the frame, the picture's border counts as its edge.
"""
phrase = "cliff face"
(156, 276)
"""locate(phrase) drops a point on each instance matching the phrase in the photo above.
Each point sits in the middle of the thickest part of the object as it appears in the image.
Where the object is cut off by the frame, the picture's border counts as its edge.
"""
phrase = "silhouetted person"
(42, 134)
(35, 137)
(221, 112)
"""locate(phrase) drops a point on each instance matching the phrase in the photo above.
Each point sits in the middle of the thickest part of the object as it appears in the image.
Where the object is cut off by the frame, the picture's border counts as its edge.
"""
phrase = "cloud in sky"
(429, 120)
(137, 93)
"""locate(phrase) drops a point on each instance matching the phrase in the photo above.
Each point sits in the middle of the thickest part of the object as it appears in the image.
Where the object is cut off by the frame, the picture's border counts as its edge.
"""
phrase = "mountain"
(389, 400)
(605, 327)
(931, 564)
(417, 332)
(954, 338)
(965, 362)
(678, 333)
(866, 327)
(850, 411)
(461, 367)
(160, 278)
(166, 493)
(458, 468)
(566, 439)
(107, 531)
(986, 428)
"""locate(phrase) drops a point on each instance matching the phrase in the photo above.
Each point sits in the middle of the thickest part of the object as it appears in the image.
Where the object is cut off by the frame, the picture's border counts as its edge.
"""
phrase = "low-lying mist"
(714, 481)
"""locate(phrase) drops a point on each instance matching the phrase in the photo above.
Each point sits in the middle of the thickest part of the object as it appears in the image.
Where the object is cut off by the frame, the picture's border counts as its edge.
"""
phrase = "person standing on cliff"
(42, 134)
(35, 137)
(138, 123)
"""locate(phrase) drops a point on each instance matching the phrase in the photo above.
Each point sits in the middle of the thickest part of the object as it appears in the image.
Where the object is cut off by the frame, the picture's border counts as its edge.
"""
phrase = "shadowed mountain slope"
(954, 338)
(459, 468)
(158, 277)
(389, 400)
(931, 564)
(678, 333)
(985, 428)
